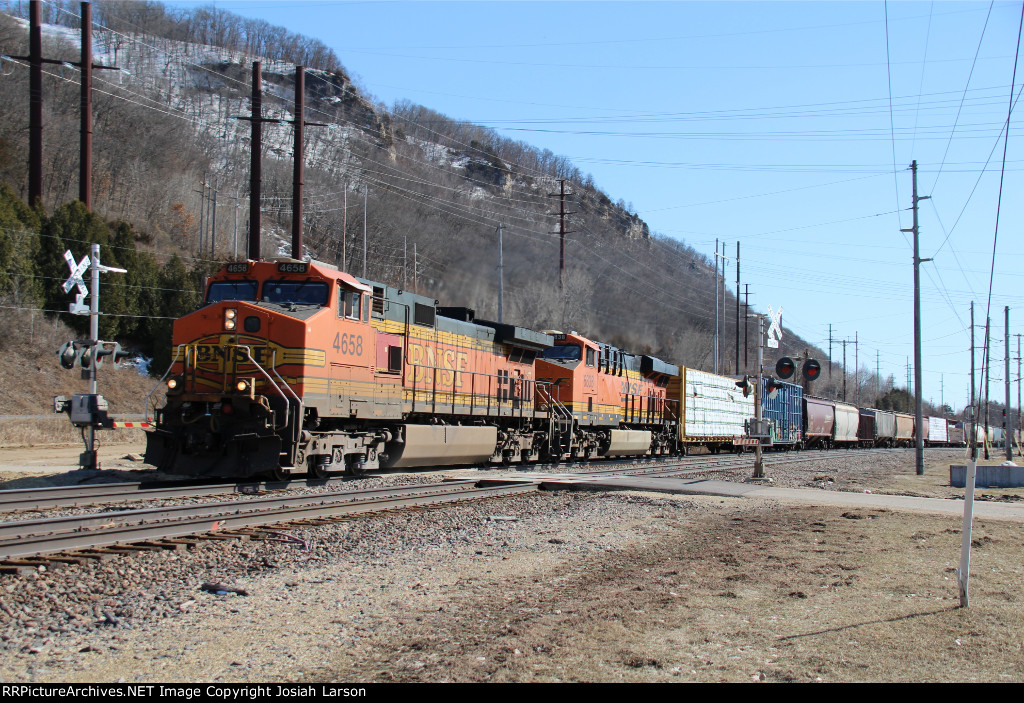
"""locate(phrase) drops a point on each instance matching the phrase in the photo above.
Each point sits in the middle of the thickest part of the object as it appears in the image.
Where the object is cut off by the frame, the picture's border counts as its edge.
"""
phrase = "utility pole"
(344, 225)
(562, 231)
(986, 365)
(35, 120)
(1019, 418)
(299, 161)
(746, 320)
(35, 92)
(974, 410)
(856, 370)
(200, 247)
(366, 191)
(255, 162)
(758, 452)
(844, 370)
(1008, 430)
(714, 350)
(256, 121)
(718, 328)
(213, 220)
(299, 165)
(737, 368)
(830, 351)
(501, 277)
(878, 378)
(918, 414)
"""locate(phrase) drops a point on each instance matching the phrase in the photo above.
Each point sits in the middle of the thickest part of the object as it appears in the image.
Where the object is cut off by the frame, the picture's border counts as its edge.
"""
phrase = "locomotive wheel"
(317, 469)
(354, 466)
(277, 474)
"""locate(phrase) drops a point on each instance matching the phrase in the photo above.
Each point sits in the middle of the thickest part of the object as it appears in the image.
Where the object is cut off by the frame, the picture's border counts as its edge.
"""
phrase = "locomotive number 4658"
(348, 344)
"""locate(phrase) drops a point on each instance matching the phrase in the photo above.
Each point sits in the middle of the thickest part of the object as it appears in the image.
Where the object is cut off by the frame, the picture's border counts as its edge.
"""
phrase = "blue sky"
(788, 126)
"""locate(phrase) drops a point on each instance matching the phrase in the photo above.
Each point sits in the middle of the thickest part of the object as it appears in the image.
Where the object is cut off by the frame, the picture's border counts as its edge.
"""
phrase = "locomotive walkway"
(811, 496)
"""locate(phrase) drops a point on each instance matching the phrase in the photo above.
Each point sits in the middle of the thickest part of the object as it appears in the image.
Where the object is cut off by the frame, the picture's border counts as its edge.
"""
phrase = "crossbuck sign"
(775, 328)
(77, 307)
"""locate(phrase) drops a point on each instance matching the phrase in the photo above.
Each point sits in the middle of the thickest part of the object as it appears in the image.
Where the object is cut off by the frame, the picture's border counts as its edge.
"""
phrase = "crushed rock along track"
(564, 586)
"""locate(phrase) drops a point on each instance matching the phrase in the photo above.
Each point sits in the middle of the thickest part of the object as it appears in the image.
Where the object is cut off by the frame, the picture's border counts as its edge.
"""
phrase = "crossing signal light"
(772, 384)
(811, 370)
(744, 384)
(69, 355)
(785, 367)
(119, 354)
(86, 354)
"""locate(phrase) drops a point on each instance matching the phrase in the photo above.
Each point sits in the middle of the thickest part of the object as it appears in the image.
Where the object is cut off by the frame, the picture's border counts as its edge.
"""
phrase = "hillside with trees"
(171, 178)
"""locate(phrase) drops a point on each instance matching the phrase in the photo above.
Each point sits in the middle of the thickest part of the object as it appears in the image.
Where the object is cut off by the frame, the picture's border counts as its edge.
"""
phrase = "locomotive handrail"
(287, 405)
(297, 425)
(523, 398)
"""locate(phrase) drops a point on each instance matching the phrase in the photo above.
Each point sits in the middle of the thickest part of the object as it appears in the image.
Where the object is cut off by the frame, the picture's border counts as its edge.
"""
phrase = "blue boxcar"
(784, 411)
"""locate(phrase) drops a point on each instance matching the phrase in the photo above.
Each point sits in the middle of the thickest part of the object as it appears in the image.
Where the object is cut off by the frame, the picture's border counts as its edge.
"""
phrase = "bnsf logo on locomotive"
(206, 353)
(211, 354)
(442, 366)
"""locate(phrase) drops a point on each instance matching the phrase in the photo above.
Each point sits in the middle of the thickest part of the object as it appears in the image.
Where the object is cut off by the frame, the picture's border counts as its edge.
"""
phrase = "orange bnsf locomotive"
(295, 367)
(604, 401)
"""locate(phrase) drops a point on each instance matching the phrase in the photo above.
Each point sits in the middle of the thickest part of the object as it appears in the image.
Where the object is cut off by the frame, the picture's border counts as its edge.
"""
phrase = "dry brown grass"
(30, 376)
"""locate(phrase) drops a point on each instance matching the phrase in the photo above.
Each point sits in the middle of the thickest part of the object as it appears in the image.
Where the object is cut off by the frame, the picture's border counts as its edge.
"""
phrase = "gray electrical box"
(89, 410)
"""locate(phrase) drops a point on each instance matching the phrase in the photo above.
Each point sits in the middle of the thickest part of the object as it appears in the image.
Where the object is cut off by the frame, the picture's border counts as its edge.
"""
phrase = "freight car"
(819, 422)
(844, 431)
(938, 432)
(877, 428)
(904, 430)
(714, 412)
(782, 408)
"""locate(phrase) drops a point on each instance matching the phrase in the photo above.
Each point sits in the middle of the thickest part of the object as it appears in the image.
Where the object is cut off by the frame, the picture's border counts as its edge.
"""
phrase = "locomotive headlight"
(245, 386)
(175, 384)
(230, 318)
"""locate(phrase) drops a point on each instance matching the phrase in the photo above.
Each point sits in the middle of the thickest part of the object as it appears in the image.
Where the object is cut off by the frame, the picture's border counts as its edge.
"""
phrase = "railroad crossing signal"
(77, 307)
(785, 367)
(775, 328)
(88, 355)
(811, 370)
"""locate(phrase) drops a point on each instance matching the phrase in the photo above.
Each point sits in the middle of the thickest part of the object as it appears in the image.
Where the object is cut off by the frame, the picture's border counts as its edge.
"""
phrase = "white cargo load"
(937, 431)
(714, 406)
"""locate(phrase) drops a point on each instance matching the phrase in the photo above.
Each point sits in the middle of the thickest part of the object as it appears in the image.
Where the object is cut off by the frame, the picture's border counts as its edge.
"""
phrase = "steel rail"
(123, 528)
(22, 499)
(15, 499)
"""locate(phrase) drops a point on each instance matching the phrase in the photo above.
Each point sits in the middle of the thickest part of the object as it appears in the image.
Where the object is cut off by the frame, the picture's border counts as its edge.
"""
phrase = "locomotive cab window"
(296, 292)
(591, 357)
(349, 304)
(565, 352)
(231, 290)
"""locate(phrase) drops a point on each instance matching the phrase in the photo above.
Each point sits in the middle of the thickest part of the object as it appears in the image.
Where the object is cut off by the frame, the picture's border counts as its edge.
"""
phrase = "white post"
(964, 572)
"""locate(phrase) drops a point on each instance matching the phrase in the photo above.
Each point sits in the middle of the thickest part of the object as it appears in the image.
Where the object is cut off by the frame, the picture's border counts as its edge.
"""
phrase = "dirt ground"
(602, 587)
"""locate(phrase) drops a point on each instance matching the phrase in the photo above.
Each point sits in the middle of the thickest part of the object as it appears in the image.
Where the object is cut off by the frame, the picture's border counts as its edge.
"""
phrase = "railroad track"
(22, 499)
(19, 499)
(22, 543)
(31, 543)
